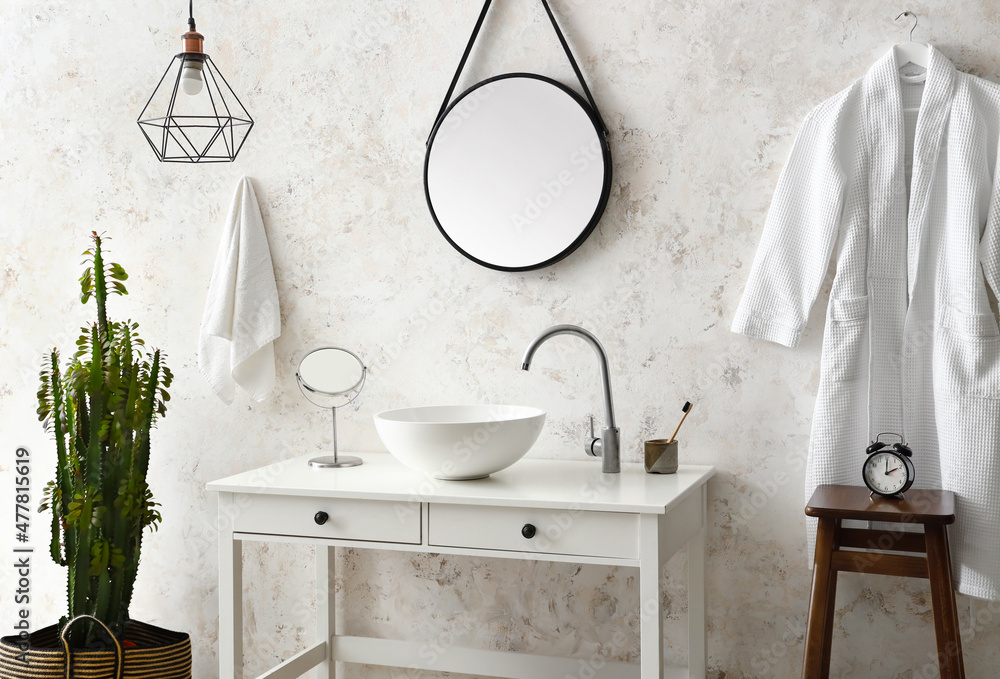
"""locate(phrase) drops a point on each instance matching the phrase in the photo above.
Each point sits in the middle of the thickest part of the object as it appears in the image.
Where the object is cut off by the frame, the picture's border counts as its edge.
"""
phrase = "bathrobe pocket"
(967, 354)
(844, 342)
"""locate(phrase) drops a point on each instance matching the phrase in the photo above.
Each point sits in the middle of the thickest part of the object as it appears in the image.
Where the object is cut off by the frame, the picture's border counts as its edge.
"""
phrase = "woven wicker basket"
(149, 653)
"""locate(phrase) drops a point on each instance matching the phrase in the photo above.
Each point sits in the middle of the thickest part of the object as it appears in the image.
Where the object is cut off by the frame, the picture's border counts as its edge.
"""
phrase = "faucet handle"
(594, 444)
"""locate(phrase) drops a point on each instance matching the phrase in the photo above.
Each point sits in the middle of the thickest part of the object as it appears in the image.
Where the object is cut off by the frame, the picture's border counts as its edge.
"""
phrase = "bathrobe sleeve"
(989, 245)
(799, 234)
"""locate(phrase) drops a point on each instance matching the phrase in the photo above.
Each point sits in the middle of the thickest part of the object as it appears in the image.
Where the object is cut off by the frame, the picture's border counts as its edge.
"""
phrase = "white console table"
(538, 509)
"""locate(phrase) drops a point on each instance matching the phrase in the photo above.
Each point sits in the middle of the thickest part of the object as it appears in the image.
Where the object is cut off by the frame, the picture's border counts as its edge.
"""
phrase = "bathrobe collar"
(890, 213)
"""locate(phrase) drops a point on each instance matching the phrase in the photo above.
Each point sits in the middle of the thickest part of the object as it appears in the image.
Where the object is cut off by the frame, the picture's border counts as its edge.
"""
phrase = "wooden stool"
(934, 509)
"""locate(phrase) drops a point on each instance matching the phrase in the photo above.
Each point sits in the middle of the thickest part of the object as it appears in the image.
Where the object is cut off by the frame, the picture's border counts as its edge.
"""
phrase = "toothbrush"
(686, 409)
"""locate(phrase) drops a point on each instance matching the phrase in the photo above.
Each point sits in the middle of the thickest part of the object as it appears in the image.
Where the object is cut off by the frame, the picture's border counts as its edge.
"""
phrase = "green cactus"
(101, 410)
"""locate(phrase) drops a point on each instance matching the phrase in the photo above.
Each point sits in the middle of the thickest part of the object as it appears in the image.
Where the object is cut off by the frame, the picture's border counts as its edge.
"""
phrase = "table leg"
(650, 603)
(696, 549)
(326, 610)
(949, 640)
(230, 594)
(819, 602)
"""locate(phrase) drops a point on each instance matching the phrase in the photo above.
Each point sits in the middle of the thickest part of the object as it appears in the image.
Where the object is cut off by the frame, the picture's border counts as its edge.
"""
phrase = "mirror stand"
(331, 378)
(334, 461)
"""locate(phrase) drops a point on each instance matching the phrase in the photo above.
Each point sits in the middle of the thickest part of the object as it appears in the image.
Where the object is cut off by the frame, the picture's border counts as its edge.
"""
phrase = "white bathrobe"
(911, 342)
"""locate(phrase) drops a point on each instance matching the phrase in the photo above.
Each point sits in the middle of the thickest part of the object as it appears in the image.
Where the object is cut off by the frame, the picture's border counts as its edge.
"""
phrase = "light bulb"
(191, 78)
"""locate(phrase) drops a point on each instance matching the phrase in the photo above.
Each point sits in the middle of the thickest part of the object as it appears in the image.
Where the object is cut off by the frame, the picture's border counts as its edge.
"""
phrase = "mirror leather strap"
(468, 51)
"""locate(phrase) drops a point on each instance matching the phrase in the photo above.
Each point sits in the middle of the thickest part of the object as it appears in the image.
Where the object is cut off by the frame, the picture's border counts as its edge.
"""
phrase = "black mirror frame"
(605, 192)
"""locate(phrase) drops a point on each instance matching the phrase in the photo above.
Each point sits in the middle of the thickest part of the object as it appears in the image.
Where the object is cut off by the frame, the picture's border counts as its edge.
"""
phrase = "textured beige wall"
(703, 99)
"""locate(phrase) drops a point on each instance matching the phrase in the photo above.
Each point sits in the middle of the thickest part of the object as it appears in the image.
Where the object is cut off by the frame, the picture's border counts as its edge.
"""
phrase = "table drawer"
(367, 520)
(574, 532)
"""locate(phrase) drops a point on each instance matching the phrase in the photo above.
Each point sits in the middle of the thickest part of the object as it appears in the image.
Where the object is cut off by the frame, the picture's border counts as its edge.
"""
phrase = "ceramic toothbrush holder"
(660, 456)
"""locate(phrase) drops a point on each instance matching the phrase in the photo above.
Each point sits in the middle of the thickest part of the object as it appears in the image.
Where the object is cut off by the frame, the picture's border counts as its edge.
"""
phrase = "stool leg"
(949, 641)
(831, 608)
(820, 606)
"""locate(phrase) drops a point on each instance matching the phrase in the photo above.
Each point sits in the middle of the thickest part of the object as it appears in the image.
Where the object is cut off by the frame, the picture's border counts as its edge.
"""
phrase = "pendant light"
(193, 115)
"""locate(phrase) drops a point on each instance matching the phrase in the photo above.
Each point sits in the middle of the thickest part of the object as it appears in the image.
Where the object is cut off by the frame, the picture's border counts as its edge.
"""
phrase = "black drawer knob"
(321, 518)
(528, 531)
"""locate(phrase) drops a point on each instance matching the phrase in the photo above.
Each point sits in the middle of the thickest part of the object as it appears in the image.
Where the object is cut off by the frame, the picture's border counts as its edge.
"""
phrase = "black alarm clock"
(888, 470)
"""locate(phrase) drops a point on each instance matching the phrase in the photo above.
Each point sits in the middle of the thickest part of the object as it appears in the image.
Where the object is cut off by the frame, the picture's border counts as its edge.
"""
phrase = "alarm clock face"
(886, 473)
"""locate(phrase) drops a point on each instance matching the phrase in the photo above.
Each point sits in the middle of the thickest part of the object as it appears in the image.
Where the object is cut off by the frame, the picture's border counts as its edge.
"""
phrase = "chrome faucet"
(606, 446)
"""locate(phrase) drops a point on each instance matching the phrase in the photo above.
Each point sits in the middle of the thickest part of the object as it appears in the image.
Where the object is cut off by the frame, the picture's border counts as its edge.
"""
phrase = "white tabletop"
(557, 484)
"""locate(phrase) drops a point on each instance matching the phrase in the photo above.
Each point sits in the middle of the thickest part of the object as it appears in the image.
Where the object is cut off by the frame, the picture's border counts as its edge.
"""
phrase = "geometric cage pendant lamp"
(193, 115)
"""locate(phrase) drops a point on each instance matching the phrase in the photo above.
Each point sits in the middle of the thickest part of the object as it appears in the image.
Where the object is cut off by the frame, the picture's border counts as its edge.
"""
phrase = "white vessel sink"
(458, 443)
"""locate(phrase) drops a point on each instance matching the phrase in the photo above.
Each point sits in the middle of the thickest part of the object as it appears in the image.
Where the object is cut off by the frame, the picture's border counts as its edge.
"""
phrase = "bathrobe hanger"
(910, 52)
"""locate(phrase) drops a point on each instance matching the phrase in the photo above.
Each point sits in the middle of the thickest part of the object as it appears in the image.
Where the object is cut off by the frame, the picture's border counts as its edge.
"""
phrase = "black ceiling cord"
(191, 14)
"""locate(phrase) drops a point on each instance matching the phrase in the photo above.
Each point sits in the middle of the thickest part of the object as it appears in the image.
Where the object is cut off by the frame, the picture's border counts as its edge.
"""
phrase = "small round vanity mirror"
(331, 377)
(518, 172)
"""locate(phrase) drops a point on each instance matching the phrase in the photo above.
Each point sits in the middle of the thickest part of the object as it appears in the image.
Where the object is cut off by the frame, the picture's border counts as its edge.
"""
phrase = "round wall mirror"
(517, 172)
(331, 378)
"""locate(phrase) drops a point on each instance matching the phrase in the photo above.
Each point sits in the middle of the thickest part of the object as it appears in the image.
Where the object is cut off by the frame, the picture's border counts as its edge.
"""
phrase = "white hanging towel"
(242, 318)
